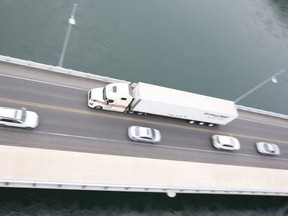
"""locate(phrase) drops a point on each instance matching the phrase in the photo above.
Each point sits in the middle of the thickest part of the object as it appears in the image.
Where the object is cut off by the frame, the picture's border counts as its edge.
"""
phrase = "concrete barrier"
(170, 191)
(57, 69)
(263, 112)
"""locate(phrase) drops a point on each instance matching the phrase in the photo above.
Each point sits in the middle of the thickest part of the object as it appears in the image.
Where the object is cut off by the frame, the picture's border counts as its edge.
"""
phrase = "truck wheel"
(210, 125)
(201, 123)
(191, 122)
(99, 107)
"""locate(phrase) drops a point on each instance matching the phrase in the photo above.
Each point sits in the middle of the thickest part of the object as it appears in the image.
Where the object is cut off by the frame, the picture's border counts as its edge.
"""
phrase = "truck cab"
(114, 97)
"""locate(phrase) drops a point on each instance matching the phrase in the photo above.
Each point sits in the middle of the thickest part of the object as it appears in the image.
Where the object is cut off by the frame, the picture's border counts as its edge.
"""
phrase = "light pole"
(272, 78)
(71, 22)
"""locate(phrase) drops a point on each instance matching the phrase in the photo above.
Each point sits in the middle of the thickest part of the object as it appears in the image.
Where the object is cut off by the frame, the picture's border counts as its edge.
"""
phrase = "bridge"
(78, 148)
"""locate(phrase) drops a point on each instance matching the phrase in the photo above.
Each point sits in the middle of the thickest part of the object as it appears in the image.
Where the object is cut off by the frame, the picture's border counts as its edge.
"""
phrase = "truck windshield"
(104, 95)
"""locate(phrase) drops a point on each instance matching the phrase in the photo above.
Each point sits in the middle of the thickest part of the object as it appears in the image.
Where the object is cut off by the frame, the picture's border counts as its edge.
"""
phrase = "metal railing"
(263, 112)
(169, 190)
(57, 69)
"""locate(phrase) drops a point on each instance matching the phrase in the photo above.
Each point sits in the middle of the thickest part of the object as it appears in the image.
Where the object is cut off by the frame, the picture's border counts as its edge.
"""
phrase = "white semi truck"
(152, 99)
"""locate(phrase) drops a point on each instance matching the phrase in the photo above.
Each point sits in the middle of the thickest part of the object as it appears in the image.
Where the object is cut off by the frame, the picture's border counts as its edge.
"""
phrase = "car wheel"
(99, 107)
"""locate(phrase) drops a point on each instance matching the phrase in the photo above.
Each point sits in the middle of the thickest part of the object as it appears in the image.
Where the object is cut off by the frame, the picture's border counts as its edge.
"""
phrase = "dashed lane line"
(125, 118)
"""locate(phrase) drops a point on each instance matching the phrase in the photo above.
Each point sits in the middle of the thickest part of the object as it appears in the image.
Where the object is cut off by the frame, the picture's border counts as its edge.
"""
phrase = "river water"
(221, 48)
(23, 202)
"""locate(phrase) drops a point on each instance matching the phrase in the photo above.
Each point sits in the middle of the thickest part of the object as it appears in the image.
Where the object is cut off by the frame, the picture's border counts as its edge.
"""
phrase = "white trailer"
(174, 103)
(157, 100)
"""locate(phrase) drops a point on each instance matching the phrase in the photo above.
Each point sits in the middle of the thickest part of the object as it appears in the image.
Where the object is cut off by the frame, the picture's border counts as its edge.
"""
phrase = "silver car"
(268, 148)
(144, 134)
(225, 142)
(18, 117)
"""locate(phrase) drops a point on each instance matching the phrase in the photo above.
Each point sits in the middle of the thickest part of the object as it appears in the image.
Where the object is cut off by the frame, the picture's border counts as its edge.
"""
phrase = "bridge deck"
(42, 168)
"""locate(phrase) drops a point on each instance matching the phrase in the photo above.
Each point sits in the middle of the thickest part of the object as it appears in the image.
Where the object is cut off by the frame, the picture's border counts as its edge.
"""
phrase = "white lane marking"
(159, 145)
(226, 153)
(80, 137)
(261, 122)
(44, 82)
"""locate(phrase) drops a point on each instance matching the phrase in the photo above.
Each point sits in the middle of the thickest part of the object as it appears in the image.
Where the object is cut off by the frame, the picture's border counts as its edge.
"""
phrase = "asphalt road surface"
(66, 123)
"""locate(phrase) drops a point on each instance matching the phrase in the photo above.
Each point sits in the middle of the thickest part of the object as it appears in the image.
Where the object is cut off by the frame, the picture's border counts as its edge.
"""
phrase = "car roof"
(7, 112)
(226, 140)
(145, 132)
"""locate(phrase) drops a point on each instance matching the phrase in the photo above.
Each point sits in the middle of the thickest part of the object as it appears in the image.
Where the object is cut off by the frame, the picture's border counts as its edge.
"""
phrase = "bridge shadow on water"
(32, 202)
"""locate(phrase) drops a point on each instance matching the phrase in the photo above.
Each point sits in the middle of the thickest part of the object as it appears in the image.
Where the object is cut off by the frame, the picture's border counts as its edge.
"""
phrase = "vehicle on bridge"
(225, 142)
(152, 99)
(144, 134)
(18, 117)
(268, 148)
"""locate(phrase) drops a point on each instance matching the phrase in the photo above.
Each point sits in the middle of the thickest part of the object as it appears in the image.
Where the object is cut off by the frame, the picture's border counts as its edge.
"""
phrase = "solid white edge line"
(159, 146)
(44, 82)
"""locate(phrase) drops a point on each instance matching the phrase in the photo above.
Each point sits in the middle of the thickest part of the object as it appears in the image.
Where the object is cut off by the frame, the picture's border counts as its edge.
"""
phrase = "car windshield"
(137, 131)
(104, 94)
(228, 145)
(20, 115)
(153, 133)
(268, 147)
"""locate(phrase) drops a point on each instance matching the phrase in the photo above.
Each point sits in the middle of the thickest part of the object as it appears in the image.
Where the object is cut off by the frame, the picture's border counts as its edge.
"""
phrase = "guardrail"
(108, 79)
(263, 112)
(57, 69)
(170, 191)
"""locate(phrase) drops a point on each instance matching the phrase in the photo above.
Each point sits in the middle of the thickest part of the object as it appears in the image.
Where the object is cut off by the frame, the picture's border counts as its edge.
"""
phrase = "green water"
(220, 48)
(23, 202)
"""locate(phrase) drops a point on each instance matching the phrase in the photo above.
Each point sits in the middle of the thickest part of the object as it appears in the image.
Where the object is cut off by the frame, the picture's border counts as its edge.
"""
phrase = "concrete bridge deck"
(43, 168)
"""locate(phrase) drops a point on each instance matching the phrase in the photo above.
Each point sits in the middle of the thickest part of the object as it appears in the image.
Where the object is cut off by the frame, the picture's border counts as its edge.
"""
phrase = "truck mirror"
(109, 101)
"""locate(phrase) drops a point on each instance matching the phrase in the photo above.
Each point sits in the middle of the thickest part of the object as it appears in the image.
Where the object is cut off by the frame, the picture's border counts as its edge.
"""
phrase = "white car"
(144, 134)
(268, 148)
(18, 117)
(225, 142)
